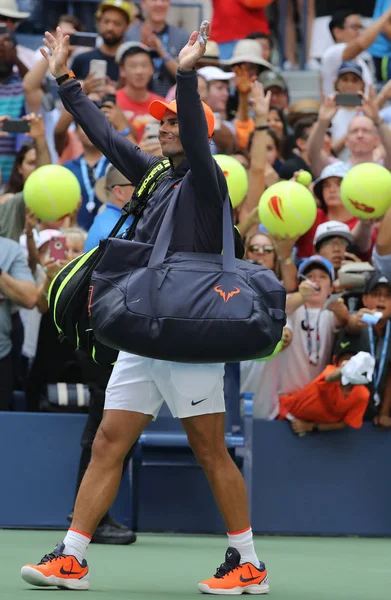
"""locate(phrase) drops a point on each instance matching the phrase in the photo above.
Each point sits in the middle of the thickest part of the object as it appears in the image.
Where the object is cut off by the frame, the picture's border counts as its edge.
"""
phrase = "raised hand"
(37, 125)
(328, 109)
(58, 45)
(195, 48)
(369, 106)
(243, 81)
(260, 101)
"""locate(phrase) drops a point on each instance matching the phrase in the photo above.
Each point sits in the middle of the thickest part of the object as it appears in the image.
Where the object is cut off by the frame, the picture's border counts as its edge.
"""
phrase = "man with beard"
(113, 18)
(11, 101)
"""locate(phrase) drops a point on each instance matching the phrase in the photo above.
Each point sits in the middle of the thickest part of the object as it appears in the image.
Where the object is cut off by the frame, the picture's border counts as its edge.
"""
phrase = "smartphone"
(16, 126)
(348, 100)
(3, 28)
(371, 319)
(109, 98)
(152, 130)
(83, 39)
(57, 248)
(99, 68)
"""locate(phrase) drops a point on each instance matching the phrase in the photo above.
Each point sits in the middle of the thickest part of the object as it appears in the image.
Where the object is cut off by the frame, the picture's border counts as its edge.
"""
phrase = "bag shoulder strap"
(136, 205)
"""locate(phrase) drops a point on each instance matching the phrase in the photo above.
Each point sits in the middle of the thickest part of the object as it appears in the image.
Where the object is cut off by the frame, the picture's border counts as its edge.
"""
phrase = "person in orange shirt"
(136, 70)
(334, 399)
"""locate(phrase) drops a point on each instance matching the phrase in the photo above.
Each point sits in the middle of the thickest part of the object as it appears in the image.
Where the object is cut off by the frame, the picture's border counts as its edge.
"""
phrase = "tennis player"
(139, 386)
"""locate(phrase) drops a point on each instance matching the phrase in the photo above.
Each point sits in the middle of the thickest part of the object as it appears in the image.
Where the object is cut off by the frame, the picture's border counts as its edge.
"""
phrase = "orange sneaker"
(57, 569)
(234, 579)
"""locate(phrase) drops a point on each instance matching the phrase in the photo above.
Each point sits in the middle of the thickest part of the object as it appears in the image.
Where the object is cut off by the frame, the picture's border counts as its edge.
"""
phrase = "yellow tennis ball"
(304, 177)
(276, 351)
(236, 177)
(287, 208)
(51, 192)
(366, 191)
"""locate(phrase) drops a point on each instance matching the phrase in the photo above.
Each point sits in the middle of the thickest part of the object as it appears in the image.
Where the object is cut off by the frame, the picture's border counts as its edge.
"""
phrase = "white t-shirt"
(331, 62)
(261, 379)
(339, 128)
(295, 369)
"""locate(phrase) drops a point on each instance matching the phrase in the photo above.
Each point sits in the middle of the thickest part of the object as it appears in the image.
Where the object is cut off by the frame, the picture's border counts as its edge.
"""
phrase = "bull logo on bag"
(226, 295)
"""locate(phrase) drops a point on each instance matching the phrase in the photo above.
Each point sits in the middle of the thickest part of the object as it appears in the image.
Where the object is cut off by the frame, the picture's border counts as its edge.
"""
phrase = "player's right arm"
(122, 153)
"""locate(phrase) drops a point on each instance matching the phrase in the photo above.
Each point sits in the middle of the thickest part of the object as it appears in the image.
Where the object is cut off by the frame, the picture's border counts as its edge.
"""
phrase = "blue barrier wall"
(39, 458)
(334, 483)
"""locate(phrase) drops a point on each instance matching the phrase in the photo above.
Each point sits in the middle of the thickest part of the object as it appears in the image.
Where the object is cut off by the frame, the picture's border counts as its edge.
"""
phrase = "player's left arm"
(193, 129)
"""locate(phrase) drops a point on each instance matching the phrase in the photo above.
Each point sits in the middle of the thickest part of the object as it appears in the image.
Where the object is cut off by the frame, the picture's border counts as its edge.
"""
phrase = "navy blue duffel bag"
(182, 306)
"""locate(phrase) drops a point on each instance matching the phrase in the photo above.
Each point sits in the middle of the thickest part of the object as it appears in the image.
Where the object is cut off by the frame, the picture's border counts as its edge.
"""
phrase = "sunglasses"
(266, 249)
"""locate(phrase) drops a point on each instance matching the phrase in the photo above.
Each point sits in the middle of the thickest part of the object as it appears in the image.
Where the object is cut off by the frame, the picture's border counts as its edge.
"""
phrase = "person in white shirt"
(350, 41)
(313, 324)
(366, 131)
(349, 81)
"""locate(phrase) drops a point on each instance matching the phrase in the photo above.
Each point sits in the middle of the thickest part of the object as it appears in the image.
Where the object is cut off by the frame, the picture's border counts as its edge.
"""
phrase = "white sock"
(76, 544)
(244, 543)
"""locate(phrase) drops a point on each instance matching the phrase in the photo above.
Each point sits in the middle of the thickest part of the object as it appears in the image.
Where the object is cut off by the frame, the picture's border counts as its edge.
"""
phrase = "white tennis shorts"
(142, 385)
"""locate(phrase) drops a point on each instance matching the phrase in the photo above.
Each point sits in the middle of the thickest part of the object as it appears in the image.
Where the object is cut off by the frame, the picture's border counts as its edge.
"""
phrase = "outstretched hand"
(58, 46)
(195, 48)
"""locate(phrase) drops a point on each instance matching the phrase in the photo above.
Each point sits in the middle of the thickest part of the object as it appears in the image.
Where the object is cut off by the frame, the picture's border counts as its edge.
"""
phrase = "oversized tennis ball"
(236, 177)
(366, 191)
(304, 177)
(51, 192)
(287, 208)
(276, 351)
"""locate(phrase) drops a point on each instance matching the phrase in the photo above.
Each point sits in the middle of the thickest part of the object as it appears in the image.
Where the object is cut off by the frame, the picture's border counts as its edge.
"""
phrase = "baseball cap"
(350, 67)
(316, 261)
(111, 178)
(337, 169)
(346, 344)
(123, 5)
(129, 48)
(215, 74)
(331, 229)
(376, 279)
(272, 79)
(158, 108)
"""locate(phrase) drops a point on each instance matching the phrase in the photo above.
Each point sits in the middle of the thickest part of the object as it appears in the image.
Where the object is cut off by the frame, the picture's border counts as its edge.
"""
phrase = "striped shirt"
(12, 105)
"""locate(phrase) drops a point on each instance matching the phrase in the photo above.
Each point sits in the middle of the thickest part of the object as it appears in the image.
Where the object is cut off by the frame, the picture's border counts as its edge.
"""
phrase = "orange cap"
(157, 109)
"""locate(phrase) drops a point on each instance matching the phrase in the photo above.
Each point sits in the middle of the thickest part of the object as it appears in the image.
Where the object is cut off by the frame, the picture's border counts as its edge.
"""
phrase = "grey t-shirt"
(12, 217)
(13, 262)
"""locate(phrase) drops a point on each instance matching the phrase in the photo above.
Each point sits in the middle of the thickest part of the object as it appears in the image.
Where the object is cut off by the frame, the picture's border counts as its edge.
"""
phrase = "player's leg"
(242, 572)
(194, 394)
(132, 400)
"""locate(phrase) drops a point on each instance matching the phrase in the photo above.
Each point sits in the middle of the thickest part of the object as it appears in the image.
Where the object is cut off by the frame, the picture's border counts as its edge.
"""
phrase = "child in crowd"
(333, 400)
(375, 339)
(313, 323)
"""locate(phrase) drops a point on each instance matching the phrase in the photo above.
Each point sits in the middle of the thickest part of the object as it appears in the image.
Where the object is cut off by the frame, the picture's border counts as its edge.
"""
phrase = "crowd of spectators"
(335, 274)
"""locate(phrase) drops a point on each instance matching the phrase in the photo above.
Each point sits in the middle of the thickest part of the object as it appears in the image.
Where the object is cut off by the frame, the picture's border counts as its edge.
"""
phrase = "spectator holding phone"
(313, 323)
(164, 39)
(136, 70)
(113, 17)
(365, 132)
(351, 39)
(348, 85)
(373, 324)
